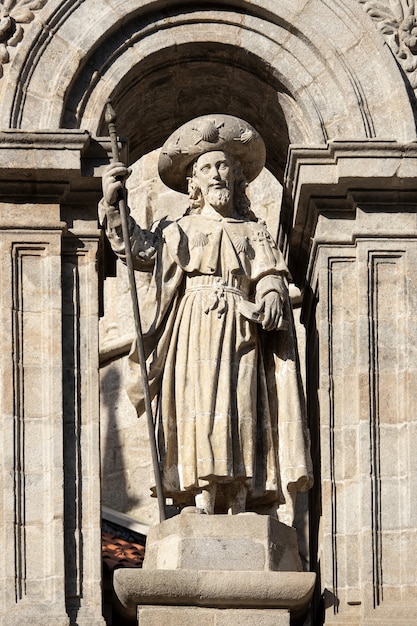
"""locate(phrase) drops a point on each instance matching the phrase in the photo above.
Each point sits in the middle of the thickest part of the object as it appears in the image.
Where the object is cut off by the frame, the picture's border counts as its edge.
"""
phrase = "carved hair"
(240, 199)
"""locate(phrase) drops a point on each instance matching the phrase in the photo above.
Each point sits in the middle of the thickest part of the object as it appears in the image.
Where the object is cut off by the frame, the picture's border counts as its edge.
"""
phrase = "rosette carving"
(397, 20)
(14, 13)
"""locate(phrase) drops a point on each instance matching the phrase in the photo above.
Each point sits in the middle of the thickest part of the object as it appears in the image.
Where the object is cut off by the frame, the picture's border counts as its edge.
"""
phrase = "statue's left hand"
(272, 310)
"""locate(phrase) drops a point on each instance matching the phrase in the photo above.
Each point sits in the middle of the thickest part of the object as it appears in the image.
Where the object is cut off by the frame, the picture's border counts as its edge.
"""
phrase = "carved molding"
(36, 459)
(389, 273)
(14, 13)
(397, 20)
(343, 434)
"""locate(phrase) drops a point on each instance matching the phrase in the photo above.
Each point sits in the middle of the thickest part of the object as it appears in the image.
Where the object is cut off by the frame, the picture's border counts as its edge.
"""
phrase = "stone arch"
(296, 72)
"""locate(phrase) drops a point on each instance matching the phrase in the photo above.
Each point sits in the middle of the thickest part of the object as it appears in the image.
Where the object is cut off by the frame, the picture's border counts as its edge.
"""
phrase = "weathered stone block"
(245, 588)
(223, 542)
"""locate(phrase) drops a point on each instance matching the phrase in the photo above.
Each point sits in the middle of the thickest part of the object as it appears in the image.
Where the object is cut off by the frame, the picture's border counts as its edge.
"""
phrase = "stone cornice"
(343, 163)
(32, 162)
(336, 178)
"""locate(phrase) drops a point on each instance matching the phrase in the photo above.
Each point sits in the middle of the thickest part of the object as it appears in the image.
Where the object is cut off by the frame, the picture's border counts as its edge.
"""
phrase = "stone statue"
(218, 329)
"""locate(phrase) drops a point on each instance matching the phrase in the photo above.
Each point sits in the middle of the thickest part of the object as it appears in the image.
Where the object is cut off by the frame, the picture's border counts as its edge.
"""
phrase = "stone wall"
(330, 85)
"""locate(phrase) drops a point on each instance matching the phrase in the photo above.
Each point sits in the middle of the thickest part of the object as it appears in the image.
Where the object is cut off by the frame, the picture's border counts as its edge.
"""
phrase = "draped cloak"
(230, 398)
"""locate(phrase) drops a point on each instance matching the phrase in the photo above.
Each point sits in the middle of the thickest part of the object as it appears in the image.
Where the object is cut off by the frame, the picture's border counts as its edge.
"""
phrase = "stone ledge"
(49, 163)
(221, 589)
(340, 176)
(324, 167)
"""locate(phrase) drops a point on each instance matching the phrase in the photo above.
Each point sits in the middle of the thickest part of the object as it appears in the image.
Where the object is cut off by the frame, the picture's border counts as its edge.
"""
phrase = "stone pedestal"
(222, 570)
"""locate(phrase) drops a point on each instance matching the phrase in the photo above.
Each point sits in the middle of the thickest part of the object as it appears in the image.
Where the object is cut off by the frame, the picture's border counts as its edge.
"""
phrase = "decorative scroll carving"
(14, 13)
(397, 20)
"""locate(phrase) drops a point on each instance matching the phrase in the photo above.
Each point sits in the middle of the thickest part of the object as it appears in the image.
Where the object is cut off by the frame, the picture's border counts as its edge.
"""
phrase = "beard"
(219, 198)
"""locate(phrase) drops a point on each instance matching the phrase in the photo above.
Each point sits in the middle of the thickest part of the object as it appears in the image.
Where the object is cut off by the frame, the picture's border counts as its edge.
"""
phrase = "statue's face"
(213, 173)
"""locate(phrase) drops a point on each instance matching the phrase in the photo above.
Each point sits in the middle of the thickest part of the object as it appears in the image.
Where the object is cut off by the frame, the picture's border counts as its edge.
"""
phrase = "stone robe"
(230, 404)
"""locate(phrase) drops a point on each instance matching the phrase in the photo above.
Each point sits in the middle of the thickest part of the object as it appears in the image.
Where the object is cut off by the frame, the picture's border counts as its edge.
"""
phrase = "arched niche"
(302, 72)
(150, 105)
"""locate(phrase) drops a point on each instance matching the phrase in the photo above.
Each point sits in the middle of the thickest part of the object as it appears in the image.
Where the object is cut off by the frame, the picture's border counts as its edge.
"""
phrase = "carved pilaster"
(50, 531)
(82, 496)
(31, 401)
(355, 240)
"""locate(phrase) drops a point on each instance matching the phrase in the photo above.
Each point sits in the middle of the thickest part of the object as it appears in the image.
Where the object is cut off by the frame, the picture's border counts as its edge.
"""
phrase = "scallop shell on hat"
(217, 131)
(172, 150)
(208, 131)
(246, 136)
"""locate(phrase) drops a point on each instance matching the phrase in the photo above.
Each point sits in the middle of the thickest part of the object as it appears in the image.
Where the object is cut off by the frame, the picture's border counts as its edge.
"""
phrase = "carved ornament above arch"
(14, 13)
(397, 21)
(308, 71)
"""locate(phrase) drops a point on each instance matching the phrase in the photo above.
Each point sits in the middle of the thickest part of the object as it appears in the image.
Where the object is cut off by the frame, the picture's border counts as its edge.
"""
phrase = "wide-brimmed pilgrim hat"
(205, 134)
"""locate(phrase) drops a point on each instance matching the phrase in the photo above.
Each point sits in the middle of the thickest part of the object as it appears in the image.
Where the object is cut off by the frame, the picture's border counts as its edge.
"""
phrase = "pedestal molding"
(291, 590)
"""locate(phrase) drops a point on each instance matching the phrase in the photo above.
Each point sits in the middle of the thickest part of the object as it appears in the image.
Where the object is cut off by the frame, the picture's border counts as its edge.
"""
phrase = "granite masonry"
(330, 86)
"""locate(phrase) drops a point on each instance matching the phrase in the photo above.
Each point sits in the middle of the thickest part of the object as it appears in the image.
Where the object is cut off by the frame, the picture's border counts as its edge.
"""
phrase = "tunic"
(218, 408)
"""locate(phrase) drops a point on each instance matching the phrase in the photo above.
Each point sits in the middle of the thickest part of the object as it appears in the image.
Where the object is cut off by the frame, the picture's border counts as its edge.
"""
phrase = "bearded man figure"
(218, 330)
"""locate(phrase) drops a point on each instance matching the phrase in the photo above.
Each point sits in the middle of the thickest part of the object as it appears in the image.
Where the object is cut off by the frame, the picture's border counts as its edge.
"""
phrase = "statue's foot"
(206, 498)
(192, 510)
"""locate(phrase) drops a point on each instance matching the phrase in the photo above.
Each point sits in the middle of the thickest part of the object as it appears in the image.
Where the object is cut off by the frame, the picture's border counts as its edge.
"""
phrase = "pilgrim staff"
(110, 117)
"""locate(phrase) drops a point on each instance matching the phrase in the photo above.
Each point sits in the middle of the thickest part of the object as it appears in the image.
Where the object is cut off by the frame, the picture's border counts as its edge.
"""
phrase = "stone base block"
(194, 616)
(217, 569)
(222, 542)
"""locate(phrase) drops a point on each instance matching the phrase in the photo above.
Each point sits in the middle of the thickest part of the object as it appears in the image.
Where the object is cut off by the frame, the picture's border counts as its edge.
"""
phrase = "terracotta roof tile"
(118, 552)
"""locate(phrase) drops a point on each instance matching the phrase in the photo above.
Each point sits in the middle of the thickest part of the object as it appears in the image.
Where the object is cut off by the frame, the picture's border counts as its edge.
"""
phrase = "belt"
(217, 287)
(216, 297)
